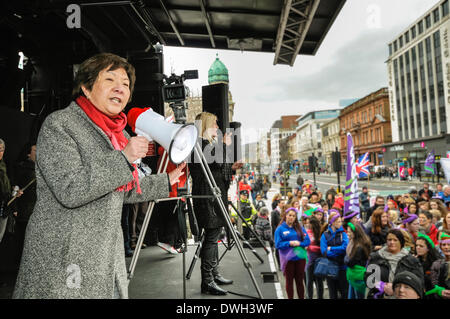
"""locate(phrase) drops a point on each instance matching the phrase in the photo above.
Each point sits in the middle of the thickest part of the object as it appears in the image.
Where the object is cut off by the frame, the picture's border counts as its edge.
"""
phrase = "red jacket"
(170, 167)
(433, 234)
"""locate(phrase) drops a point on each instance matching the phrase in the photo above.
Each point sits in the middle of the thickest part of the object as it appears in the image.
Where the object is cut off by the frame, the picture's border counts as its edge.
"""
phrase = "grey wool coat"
(74, 244)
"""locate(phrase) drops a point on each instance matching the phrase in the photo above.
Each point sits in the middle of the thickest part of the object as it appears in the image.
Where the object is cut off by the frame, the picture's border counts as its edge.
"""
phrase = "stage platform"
(159, 275)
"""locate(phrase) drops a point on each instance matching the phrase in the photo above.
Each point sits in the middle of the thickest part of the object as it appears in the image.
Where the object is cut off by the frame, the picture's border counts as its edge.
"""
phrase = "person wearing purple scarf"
(291, 240)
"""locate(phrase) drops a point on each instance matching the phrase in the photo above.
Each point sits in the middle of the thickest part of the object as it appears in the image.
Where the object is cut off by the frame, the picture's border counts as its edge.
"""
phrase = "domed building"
(218, 73)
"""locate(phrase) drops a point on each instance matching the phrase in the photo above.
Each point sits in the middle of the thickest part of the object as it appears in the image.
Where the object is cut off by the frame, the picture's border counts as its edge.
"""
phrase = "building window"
(413, 32)
(420, 25)
(436, 15)
(445, 9)
(428, 21)
(390, 49)
(406, 37)
(401, 42)
(395, 46)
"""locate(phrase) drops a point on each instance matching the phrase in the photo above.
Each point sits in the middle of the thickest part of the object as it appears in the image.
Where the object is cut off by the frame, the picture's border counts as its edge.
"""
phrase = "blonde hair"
(393, 216)
(436, 213)
(204, 121)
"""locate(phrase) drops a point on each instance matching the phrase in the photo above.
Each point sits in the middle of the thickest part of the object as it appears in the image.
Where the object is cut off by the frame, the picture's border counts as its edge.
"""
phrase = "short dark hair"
(427, 214)
(88, 72)
(397, 233)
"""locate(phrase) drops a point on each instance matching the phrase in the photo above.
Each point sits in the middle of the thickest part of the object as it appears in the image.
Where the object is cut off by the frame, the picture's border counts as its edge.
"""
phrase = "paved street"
(382, 186)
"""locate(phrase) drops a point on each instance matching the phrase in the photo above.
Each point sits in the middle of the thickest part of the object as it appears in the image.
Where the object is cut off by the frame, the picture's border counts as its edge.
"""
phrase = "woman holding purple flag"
(291, 240)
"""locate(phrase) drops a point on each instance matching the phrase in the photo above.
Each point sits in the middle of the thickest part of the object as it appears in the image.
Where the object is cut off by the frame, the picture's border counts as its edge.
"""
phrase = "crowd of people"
(398, 247)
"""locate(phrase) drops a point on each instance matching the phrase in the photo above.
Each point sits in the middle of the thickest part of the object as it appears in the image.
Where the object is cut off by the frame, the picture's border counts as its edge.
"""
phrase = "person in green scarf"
(358, 252)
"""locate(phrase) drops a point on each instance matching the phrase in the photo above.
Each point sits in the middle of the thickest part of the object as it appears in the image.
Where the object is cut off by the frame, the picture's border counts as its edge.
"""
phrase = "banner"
(429, 163)
(351, 200)
(445, 163)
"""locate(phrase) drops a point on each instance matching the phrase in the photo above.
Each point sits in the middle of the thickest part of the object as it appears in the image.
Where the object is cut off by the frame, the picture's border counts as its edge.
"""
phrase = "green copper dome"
(218, 72)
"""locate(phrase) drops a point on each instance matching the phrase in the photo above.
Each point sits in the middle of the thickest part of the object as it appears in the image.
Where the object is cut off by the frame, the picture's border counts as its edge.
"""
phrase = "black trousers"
(311, 280)
(210, 254)
(338, 288)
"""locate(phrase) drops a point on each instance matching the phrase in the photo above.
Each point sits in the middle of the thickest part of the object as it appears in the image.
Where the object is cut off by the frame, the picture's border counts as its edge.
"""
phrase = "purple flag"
(429, 163)
(351, 200)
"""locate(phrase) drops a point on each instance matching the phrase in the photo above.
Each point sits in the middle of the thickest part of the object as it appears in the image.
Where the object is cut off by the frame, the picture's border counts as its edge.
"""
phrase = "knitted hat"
(410, 279)
(444, 237)
(409, 218)
(350, 214)
(427, 238)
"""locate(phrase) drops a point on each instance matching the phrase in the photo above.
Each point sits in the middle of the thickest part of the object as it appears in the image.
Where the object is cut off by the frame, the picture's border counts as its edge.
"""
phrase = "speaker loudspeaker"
(178, 139)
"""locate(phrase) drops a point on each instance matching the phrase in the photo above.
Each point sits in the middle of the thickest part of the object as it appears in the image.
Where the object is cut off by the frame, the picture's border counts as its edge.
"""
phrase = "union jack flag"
(362, 166)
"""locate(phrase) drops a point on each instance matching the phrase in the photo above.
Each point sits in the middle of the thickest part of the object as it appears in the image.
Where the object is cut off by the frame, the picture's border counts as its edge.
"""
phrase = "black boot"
(218, 279)
(212, 289)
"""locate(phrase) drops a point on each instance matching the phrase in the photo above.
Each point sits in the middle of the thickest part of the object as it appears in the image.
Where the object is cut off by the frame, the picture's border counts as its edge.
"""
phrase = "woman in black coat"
(379, 228)
(208, 212)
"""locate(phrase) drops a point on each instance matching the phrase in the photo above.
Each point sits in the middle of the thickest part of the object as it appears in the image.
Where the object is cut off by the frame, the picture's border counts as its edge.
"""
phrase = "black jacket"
(359, 258)
(407, 263)
(207, 211)
(377, 239)
(275, 219)
(439, 275)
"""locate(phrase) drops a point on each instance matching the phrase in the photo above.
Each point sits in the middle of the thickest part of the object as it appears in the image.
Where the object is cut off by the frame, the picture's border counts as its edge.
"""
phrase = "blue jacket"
(284, 234)
(338, 246)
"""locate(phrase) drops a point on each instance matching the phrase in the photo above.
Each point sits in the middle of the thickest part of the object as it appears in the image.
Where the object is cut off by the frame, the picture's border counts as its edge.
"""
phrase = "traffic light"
(336, 161)
(312, 162)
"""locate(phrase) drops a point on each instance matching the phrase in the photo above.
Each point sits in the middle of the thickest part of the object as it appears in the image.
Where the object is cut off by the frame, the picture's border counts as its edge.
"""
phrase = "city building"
(419, 78)
(368, 121)
(280, 129)
(309, 135)
(264, 153)
(330, 140)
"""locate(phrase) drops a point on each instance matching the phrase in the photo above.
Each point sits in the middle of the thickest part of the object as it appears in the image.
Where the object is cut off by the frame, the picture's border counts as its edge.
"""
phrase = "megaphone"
(178, 139)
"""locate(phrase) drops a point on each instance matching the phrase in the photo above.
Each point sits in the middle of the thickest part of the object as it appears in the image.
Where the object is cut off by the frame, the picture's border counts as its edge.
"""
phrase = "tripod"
(217, 196)
(228, 247)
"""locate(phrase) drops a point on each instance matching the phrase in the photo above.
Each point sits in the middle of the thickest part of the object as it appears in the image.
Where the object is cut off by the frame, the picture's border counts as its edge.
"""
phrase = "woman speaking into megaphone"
(85, 173)
(207, 211)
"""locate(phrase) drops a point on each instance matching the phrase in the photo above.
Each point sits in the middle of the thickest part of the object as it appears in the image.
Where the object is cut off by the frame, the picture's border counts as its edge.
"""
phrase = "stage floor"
(159, 275)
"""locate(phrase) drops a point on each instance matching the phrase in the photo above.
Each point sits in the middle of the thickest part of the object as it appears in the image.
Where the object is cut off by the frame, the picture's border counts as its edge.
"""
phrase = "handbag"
(326, 268)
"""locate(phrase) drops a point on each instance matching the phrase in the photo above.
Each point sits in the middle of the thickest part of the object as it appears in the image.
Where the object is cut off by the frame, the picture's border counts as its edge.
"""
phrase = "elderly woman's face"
(110, 92)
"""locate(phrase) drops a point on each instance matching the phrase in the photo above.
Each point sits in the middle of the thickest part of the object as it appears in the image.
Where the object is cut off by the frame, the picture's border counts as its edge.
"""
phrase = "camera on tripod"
(177, 92)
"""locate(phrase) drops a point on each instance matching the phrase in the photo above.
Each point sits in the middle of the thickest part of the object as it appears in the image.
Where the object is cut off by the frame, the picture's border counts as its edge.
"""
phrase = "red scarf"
(113, 127)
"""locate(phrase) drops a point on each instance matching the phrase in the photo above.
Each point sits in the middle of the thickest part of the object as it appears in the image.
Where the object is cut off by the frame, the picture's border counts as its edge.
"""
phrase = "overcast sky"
(350, 63)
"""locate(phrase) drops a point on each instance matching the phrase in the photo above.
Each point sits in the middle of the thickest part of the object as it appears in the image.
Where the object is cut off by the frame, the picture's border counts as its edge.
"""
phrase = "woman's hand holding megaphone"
(174, 176)
(136, 148)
